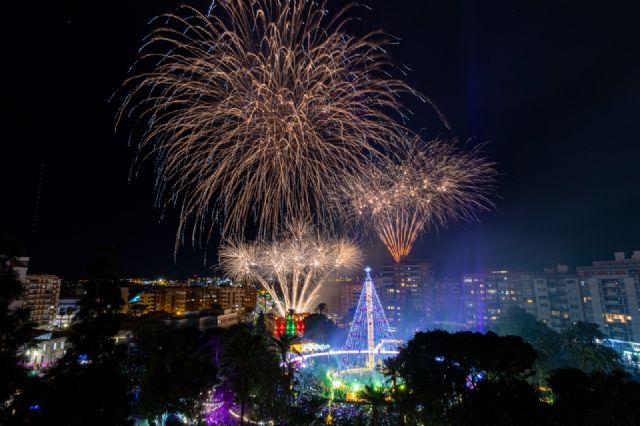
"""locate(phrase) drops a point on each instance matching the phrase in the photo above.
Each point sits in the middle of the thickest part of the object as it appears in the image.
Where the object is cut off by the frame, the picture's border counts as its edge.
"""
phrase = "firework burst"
(432, 184)
(261, 110)
(291, 269)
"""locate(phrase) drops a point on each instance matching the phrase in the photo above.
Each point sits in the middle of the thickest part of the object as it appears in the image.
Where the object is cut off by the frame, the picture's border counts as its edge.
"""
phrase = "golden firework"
(293, 268)
(261, 111)
(432, 184)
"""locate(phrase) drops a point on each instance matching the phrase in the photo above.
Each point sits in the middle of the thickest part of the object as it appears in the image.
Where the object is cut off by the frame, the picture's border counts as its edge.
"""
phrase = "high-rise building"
(406, 293)
(124, 296)
(347, 294)
(448, 302)
(231, 297)
(488, 294)
(174, 301)
(340, 294)
(610, 292)
(606, 293)
(149, 298)
(250, 297)
(41, 295)
(183, 300)
(557, 296)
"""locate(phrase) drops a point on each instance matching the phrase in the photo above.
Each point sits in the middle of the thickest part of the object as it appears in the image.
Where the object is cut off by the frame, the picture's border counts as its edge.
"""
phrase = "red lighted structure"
(292, 325)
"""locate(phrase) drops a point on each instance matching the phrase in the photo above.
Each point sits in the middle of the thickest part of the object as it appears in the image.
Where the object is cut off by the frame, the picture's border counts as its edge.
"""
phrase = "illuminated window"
(615, 318)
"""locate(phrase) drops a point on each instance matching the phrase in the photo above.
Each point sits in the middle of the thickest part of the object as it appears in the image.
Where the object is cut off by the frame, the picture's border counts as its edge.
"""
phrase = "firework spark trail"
(432, 184)
(291, 269)
(262, 110)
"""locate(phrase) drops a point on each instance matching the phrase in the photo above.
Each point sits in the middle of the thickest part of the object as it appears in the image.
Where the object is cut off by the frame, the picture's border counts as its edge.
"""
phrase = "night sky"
(553, 86)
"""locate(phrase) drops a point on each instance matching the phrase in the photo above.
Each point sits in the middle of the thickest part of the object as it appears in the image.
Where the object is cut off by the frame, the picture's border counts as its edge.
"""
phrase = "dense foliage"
(575, 347)
(88, 385)
(15, 328)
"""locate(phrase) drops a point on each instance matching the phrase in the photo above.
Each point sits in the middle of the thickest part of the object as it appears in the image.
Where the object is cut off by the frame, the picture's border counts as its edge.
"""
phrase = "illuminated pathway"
(378, 350)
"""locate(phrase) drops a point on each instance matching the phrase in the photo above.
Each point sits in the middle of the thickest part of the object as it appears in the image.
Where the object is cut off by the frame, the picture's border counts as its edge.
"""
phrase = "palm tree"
(284, 346)
(69, 311)
(61, 313)
(583, 351)
(400, 397)
(242, 364)
(391, 368)
(322, 308)
(376, 399)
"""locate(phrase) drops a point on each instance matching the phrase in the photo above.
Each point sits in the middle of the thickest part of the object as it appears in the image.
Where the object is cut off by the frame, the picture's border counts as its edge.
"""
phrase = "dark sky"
(554, 86)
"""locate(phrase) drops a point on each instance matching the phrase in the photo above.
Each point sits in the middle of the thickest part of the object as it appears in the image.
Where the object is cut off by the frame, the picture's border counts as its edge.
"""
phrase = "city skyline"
(297, 212)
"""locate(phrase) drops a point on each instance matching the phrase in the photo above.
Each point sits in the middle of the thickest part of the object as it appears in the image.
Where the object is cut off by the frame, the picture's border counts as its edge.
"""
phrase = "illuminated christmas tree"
(370, 326)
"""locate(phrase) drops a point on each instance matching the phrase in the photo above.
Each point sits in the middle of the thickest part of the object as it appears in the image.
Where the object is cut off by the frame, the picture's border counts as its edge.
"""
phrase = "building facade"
(47, 349)
(231, 297)
(341, 295)
(250, 298)
(67, 310)
(41, 296)
(406, 293)
(606, 293)
(182, 300)
(558, 298)
(488, 294)
(447, 310)
(610, 292)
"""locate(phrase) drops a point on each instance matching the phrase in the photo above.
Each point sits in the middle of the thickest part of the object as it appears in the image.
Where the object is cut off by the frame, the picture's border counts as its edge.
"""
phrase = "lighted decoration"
(291, 325)
(310, 347)
(218, 407)
(370, 326)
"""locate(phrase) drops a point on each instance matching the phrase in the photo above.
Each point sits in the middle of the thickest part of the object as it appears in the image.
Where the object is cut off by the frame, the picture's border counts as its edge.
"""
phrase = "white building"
(610, 292)
(558, 298)
(49, 348)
